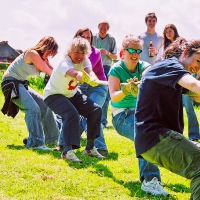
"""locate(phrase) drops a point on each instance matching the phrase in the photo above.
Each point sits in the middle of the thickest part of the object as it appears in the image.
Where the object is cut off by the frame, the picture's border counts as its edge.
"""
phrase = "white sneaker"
(43, 147)
(71, 156)
(93, 153)
(154, 187)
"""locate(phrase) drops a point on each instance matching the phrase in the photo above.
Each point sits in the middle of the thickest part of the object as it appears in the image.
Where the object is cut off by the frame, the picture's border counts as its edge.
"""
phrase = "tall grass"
(28, 174)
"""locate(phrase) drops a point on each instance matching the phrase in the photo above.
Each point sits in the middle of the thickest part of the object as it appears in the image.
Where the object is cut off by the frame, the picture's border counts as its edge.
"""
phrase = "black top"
(10, 91)
(159, 106)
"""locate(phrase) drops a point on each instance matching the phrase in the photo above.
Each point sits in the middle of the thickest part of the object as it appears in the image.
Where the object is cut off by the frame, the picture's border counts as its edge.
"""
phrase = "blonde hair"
(131, 39)
(80, 43)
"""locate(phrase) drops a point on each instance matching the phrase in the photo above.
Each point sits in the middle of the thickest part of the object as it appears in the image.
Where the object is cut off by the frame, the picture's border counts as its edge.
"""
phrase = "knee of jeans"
(71, 115)
(34, 109)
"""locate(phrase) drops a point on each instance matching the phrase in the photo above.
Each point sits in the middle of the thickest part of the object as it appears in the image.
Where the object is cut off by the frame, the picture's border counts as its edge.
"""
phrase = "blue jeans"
(179, 155)
(124, 125)
(70, 109)
(104, 120)
(39, 118)
(193, 124)
(98, 95)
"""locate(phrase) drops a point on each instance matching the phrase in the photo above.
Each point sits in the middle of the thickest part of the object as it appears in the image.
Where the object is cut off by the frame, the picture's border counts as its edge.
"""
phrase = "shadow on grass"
(16, 147)
(102, 170)
(178, 188)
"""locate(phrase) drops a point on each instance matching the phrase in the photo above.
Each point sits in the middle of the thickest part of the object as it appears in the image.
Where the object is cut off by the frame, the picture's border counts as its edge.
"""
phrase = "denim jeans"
(179, 155)
(70, 109)
(98, 95)
(124, 125)
(39, 118)
(193, 124)
(105, 106)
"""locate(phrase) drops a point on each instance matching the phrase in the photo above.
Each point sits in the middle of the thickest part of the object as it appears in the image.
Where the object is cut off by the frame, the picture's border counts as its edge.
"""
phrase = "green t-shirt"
(120, 71)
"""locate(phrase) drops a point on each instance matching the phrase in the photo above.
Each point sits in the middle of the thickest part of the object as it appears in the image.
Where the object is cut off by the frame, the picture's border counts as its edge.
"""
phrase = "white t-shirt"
(60, 83)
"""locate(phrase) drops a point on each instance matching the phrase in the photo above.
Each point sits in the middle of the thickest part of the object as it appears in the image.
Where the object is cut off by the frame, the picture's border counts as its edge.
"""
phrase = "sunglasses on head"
(131, 51)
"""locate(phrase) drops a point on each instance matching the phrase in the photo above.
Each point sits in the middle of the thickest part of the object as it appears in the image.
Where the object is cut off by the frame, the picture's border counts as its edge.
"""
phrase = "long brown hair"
(166, 41)
(47, 43)
(80, 33)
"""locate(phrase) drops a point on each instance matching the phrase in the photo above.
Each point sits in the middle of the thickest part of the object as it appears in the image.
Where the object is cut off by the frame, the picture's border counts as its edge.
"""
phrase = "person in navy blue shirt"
(159, 112)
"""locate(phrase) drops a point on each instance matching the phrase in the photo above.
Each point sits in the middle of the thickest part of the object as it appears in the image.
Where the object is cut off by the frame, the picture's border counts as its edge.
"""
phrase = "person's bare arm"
(32, 57)
(114, 88)
(75, 74)
(192, 84)
(109, 54)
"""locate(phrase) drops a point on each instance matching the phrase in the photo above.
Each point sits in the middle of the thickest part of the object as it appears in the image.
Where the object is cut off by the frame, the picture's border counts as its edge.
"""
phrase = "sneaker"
(71, 156)
(59, 148)
(93, 153)
(154, 187)
(103, 152)
(43, 147)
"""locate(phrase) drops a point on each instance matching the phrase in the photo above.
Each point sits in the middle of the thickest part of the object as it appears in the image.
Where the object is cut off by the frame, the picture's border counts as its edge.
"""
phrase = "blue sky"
(25, 22)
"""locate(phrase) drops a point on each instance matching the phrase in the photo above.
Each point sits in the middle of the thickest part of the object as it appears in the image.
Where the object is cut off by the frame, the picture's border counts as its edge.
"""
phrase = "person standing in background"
(149, 53)
(107, 45)
(170, 34)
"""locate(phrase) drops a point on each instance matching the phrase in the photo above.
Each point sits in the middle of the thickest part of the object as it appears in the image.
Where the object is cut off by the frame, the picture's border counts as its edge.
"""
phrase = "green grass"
(28, 174)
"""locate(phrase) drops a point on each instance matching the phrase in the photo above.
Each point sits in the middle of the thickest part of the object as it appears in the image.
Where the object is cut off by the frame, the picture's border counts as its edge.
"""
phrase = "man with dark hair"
(150, 36)
(159, 112)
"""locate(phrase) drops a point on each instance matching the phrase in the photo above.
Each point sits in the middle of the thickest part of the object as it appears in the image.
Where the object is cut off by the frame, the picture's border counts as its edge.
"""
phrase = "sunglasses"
(132, 51)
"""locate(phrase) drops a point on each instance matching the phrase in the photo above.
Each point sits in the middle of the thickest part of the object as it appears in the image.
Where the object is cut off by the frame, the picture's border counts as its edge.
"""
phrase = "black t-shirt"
(159, 106)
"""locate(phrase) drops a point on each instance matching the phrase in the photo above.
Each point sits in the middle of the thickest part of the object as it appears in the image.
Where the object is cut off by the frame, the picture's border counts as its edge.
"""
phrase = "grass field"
(28, 174)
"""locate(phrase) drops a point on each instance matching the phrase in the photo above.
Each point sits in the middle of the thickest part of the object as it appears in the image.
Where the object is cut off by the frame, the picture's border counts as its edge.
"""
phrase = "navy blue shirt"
(159, 106)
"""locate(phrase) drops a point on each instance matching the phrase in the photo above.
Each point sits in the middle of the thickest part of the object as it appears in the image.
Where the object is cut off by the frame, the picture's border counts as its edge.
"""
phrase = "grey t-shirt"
(107, 43)
(157, 43)
(20, 70)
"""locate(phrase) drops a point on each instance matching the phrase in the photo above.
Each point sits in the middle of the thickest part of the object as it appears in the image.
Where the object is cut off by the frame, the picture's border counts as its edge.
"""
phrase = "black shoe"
(59, 148)
(25, 141)
(103, 152)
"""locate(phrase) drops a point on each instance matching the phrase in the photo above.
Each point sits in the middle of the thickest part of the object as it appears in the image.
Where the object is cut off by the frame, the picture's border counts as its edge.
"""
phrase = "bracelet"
(108, 53)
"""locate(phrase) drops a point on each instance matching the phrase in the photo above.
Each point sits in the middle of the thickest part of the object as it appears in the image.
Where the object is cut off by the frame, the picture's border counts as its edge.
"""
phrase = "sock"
(90, 144)
(67, 148)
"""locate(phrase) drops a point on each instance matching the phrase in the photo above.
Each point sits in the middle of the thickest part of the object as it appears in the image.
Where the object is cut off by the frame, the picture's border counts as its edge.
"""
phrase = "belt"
(116, 112)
